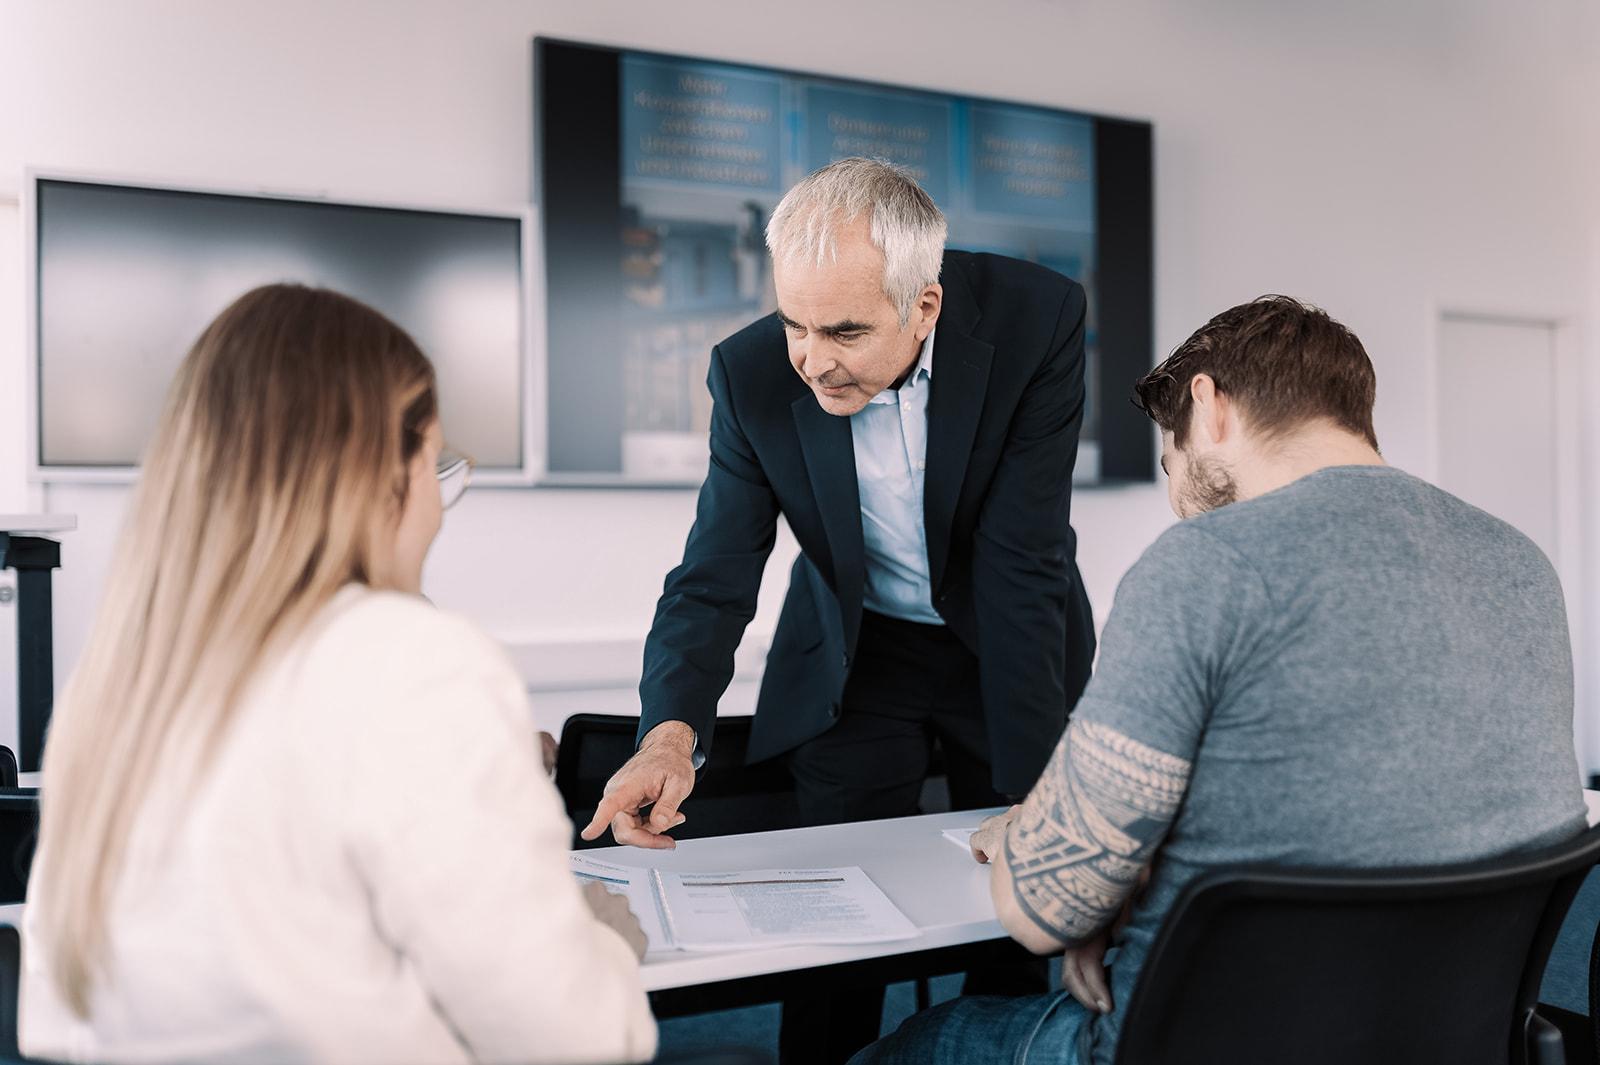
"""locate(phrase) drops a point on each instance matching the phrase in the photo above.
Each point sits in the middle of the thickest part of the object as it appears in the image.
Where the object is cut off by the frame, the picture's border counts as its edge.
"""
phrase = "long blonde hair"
(275, 477)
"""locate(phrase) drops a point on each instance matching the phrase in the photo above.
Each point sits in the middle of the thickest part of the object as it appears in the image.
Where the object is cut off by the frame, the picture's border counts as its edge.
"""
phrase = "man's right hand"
(659, 776)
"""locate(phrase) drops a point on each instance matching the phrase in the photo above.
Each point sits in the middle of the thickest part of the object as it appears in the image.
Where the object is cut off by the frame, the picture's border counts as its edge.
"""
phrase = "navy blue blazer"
(1003, 420)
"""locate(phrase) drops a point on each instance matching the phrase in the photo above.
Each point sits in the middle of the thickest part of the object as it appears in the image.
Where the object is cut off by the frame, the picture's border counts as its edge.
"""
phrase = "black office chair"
(1581, 1033)
(10, 983)
(729, 797)
(1380, 967)
(19, 834)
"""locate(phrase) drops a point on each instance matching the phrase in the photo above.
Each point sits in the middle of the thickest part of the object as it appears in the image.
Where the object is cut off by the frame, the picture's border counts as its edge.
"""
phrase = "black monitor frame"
(577, 110)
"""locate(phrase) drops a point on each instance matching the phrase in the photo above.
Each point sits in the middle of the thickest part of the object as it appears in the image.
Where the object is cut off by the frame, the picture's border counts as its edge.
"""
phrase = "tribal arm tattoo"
(1089, 828)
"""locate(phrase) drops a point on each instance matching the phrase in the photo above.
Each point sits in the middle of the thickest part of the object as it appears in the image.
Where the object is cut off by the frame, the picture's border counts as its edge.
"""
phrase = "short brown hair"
(1283, 361)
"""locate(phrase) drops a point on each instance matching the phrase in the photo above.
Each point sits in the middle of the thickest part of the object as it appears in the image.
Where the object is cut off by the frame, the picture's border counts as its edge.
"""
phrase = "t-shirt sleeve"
(1186, 620)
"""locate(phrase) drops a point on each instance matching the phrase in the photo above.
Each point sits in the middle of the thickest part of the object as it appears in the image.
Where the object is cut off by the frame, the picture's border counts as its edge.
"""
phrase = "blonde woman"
(291, 811)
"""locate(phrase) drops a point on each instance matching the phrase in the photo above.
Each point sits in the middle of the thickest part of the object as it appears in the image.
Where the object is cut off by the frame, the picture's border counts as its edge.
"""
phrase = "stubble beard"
(1209, 486)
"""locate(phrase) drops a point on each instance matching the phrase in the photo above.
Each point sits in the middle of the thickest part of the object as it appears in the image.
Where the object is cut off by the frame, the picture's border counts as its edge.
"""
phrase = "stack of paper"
(753, 908)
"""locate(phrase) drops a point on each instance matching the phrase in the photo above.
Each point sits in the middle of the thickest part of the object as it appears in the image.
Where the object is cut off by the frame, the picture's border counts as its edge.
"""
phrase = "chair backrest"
(729, 796)
(1333, 967)
(19, 834)
(10, 983)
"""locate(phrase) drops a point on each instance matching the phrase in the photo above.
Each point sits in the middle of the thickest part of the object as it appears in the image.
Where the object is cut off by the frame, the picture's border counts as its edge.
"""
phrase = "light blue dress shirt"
(890, 435)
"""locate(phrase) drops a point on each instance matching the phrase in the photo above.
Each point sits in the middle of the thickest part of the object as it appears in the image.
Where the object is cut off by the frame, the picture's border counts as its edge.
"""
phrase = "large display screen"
(128, 276)
(657, 174)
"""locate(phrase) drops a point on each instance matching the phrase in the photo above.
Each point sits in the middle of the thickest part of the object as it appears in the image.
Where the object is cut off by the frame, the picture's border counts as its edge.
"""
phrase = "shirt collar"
(923, 370)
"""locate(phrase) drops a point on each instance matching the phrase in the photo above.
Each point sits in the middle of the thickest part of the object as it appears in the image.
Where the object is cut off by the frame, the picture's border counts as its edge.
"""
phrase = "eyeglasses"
(455, 474)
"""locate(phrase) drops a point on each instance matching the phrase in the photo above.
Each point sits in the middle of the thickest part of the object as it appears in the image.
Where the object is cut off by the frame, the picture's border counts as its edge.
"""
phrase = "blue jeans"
(986, 1030)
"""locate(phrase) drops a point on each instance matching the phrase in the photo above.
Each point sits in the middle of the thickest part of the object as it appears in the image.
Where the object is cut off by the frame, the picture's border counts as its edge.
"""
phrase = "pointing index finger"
(610, 806)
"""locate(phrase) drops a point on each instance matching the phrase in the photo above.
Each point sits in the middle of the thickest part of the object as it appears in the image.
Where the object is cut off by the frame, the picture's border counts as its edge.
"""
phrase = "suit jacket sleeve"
(711, 596)
(1024, 549)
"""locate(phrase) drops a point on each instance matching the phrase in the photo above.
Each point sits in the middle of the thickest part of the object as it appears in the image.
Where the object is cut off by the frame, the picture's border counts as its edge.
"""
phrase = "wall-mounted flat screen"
(656, 176)
(127, 277)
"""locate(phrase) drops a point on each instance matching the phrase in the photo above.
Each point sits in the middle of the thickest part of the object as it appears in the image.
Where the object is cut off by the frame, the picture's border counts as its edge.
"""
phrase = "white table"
(38, 524)
(934, 882)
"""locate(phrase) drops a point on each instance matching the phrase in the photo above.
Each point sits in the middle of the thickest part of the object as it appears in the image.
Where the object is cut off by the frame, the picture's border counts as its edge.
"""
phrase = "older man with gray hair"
(919, 439)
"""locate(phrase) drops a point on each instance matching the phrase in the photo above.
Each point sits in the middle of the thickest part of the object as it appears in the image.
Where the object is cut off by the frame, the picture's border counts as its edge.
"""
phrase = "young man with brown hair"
(1330, 663)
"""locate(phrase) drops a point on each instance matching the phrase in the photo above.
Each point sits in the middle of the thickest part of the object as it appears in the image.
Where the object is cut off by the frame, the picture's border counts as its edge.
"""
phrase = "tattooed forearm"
(1089, 826)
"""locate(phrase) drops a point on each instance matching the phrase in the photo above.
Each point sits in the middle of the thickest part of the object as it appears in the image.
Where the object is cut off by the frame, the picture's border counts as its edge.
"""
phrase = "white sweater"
(374, 870)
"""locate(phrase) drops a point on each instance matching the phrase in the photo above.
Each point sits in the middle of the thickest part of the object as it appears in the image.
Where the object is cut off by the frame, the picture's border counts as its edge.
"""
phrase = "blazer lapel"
(830, 456)
(960, 380)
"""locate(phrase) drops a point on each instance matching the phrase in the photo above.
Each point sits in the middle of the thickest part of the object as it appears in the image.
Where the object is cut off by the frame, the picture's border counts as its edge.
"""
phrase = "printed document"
(961, 837)
(753, 908)
(633, 884)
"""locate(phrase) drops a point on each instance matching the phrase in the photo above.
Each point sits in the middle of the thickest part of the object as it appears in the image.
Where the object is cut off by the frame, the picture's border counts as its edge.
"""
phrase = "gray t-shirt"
(1364, 670)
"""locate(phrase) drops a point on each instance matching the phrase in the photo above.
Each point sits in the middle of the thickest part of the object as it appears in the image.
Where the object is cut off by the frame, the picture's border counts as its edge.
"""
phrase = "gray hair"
(905, 224)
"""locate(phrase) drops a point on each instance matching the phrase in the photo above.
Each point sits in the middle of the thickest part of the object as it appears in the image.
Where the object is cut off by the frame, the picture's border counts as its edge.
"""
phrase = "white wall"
(1382, 159)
